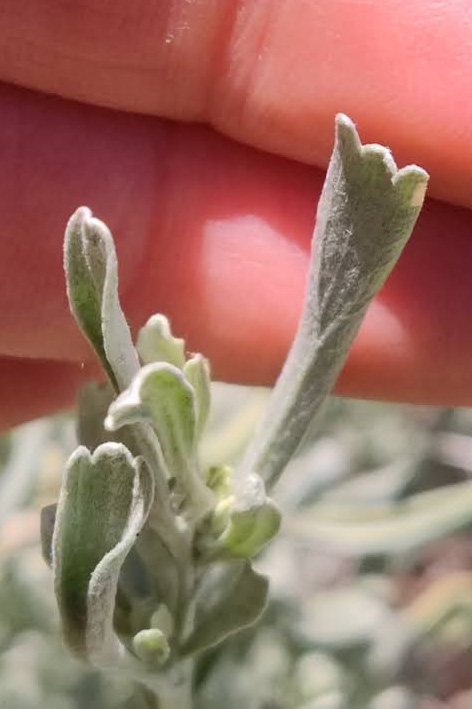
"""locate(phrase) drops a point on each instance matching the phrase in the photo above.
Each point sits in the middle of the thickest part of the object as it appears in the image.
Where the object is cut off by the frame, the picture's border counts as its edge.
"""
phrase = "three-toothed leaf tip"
(365, 216)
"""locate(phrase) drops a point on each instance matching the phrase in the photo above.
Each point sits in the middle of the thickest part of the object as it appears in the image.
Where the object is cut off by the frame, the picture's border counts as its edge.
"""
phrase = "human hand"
(213, 222)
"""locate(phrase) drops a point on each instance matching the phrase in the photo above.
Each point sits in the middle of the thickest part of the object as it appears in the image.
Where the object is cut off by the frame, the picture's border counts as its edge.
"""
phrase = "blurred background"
(371, 576)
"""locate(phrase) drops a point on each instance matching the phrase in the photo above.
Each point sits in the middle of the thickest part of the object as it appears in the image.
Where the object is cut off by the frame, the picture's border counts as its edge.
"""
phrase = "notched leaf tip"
(350, 142)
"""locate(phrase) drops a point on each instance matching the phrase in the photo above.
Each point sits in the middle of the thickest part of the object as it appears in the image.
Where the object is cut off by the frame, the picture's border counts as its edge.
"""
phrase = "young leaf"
(228, 607)
(365, 216)
(249, 522)
(157, 344)
(92, 286)
(197, 373)
(161, 394)
(104, 502)
(84, 298)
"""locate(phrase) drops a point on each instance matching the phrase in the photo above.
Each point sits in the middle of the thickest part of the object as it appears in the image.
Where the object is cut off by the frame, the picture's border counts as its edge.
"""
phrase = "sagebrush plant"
(152, 553)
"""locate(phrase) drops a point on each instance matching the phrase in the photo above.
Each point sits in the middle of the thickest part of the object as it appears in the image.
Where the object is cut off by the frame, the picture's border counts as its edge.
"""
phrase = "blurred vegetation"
(371, 577)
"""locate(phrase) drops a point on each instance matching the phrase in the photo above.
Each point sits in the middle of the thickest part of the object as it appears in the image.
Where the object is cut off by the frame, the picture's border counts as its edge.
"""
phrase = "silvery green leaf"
(365, 216)
(232, 603)
(84, 299)
(362, 530)
(92, 286)
(104, 501)
(47, 521)
(197, 373)
(156, 343)
(161, 395)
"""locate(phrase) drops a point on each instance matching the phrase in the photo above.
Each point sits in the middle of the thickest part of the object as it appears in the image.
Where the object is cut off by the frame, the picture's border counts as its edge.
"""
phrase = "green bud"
(244, 523)
(151, 646)
(219, 479)
(249, 530)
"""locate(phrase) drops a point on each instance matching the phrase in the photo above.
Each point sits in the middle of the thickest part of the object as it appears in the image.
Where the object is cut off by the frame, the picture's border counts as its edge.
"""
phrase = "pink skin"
(213, 222)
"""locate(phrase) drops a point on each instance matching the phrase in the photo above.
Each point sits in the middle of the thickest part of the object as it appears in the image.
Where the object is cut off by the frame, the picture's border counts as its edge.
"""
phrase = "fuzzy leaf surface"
(91, 269)
(161, 395)
(104, 501)
(157, 344)
(365, 216)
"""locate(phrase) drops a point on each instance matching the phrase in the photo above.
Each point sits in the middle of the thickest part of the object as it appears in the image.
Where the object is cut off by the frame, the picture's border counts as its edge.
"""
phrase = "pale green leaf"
(248, 524)
(161, 395)
(156, 343)
(197, 373)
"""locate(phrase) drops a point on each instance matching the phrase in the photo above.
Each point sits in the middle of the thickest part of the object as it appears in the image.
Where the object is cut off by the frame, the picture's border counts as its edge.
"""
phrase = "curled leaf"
(91, 271)
(245, 524)
(157, 344)
(197, 373)
(161, 395)
(105, 499)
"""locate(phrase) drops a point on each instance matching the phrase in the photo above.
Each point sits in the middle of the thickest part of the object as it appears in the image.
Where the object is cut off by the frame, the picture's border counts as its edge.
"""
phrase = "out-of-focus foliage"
(371, 575)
